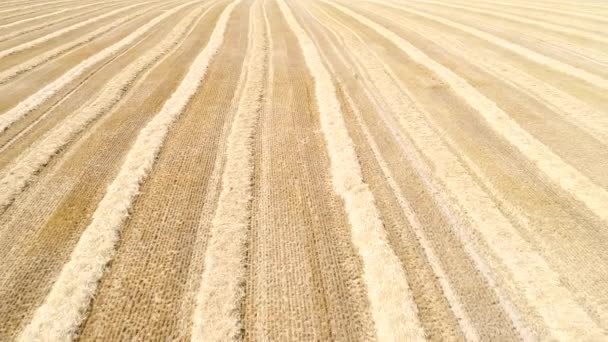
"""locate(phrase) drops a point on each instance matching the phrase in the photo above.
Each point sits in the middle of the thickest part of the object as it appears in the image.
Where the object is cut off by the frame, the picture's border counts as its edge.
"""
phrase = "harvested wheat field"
(321, 170)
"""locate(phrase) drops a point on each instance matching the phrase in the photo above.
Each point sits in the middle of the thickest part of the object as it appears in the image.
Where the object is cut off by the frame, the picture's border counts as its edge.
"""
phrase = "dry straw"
(65, 306)
(392, 306)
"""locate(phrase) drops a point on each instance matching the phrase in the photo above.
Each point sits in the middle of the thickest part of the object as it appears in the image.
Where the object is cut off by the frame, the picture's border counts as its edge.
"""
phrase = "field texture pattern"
(320, 170)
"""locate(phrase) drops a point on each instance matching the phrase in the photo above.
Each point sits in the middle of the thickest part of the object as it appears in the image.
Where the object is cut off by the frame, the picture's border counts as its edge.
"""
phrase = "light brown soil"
(446, 106)
(303, 271)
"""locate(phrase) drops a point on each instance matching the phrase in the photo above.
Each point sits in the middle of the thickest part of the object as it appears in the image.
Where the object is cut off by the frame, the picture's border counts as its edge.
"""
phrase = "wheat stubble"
(327, 170)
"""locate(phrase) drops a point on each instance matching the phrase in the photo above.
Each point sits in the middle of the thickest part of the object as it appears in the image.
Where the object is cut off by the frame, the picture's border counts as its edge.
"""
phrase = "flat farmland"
(321, 170)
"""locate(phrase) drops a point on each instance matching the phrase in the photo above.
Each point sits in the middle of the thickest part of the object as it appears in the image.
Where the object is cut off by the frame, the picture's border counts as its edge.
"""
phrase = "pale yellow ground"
(386, 170)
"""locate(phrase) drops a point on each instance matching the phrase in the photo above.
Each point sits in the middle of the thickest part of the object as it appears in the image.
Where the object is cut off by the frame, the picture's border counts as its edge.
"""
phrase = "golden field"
(321, 170)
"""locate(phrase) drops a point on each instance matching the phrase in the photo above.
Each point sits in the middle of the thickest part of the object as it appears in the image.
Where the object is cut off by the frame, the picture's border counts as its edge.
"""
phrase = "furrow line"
(38, 98)
(9, 74)
(353, 56)
(47, 24)
(262, 178)
(589, 6)
(550, 44)
(542, 39)
(303, 264)
(71, 294)
(9, 4)
(517, 95)
(35, 12)
(176, 232)
(595, 57)
(375, 73)
(133, 81)
(394, 312)
(559, 172)
(538, 282)
(17, 2)
(26, 20)
(392, 97)
(207, 211)
(58, 12)
(217, 314)
(303, 258)
(524, 221)
(455, 303)
(551, 10)
(69, 188)
(552, 27)
(517, 49)
(40, 153)
(33, 6)
(58, 33)
(20, 129)
(571, 108)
